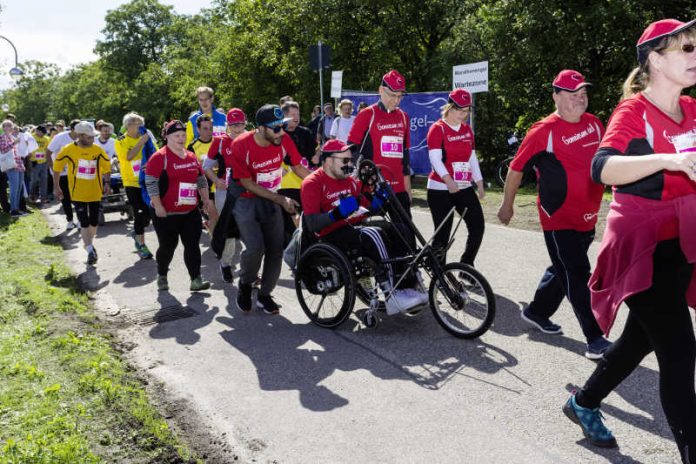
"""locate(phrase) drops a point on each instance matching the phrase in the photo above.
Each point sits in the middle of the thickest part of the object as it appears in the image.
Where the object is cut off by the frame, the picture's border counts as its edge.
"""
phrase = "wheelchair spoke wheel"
(325, 285)
(462, 301)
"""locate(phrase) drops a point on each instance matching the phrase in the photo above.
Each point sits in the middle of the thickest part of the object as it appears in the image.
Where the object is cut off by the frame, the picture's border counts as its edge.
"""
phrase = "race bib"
(218, 130)
(86, 169)
(136, 166)
(462, 172)
(270, 180)
(304, 162)
(39, 156)
(188, 194)
(392, 146)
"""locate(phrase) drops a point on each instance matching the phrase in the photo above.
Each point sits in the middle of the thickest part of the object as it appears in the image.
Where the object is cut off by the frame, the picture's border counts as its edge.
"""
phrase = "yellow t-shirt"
(39, 155)
(290, 180)
(130, 170)
(200, 149)
(85, 168)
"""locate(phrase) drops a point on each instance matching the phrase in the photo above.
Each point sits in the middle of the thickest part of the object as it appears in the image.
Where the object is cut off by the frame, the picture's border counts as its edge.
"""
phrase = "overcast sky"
(62, 32)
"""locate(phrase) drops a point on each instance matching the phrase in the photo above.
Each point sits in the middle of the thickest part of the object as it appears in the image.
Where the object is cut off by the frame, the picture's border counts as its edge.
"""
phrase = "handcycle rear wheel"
(325, 285)
(462, 301)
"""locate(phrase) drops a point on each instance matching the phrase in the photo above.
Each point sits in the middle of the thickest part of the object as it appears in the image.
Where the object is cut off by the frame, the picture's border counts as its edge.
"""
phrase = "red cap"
(570, 81)
(335, 146)
(236, 116)
(461, 98)
(656, 31)
(394, 81)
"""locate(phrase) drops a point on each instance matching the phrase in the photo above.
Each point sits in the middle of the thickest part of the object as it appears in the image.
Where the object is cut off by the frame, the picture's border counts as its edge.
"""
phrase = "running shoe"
(266, 303)
(92, 257)
(591, 423)
(198, 284)
(144, 252)
(162, 283)
(542, 323)
(597, 347)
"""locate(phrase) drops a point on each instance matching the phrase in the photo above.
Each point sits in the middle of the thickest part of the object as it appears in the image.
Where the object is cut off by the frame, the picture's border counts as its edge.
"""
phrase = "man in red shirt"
(330, 205)
(257, 159)
(560, 149)
(381, 133)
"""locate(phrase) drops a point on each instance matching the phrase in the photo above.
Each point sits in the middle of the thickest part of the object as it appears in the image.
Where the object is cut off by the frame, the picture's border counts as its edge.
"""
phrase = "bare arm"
(512, 185)
(620, 170)
(137, 149)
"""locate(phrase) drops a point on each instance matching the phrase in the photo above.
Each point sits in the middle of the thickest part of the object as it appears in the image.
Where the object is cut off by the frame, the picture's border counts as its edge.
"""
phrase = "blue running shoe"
(591, 423)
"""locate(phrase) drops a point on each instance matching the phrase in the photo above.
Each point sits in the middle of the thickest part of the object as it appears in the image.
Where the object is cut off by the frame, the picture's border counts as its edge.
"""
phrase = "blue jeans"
(567, 277)
(16, 180)
(39, 180)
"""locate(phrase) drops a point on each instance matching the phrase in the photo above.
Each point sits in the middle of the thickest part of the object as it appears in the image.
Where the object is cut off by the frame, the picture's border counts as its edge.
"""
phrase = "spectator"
(342, 124)
(324, 126)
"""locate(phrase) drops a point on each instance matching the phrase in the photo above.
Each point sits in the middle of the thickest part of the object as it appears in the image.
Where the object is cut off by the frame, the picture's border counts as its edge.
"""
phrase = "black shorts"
(87, 213)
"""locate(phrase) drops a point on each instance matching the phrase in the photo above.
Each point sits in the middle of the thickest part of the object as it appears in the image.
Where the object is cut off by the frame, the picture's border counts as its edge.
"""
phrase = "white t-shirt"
(109, 146)
(58, 142)
(341, 128)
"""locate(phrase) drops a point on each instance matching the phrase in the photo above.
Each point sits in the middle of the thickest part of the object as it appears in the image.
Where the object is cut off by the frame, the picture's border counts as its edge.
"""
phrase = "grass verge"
(65, 394)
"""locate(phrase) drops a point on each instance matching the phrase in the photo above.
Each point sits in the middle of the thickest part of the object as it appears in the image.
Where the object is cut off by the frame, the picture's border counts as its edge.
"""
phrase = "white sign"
(336, 83)
(473, 77)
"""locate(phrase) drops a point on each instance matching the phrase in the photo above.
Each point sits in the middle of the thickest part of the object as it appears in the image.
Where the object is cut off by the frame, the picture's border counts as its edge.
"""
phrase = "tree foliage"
(251, 52)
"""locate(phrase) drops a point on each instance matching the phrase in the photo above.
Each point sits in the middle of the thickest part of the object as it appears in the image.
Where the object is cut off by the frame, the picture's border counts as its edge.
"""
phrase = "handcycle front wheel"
(462, 301)
(325, 285)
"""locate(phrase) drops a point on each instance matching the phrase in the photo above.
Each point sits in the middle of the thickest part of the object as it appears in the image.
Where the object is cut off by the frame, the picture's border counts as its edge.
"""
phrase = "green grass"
(65, 394)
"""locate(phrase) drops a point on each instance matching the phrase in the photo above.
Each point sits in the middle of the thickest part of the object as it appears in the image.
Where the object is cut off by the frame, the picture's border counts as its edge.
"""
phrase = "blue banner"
(423, 109)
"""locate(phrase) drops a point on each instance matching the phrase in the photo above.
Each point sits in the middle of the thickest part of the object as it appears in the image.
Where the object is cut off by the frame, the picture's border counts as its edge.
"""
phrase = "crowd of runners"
(210, 173)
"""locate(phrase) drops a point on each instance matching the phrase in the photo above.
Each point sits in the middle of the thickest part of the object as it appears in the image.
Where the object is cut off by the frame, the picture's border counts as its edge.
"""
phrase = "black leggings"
(87, 213)
(67, 204)
(658, 320)
(440, 203)
(168, 230)
(141, 213)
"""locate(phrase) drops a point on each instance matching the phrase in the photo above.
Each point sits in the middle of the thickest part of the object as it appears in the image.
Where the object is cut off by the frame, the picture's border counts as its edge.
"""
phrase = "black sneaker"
(92, 257)
(226, 273)
(542, 323)
(266, 303)
(244, 297)
(596, 348)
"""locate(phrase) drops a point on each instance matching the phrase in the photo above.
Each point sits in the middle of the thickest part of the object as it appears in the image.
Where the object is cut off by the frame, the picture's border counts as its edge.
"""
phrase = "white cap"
(85, 128)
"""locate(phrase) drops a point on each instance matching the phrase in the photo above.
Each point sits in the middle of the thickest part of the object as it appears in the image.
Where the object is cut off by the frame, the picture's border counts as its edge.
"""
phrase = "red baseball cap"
(394, 81)
(334, 146)
(461, 98)
(236, 116)
(657, 31)
(570, 81)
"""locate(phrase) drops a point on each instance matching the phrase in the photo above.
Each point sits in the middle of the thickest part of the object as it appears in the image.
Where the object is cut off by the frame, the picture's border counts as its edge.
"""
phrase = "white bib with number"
(86, 169)
(462, 172)
(392, 146)
(188, 193)
(136, 165)
(270, 180)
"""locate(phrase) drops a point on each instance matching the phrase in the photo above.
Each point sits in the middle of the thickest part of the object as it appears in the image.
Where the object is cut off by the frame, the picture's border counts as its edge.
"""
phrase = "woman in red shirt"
(174, 181)
(456, 176)
(649, 247)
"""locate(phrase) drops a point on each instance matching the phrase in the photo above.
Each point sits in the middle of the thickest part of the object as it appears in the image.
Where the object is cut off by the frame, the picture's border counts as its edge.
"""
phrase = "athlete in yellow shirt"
(39, 170)
(89, 174)
(129, 151)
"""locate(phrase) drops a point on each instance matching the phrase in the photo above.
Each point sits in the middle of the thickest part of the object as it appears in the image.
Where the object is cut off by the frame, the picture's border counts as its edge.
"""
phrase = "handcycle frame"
(456, 284)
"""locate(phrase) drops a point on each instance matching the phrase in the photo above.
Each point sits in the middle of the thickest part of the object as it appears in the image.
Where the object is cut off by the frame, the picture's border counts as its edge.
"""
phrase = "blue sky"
(62, 32)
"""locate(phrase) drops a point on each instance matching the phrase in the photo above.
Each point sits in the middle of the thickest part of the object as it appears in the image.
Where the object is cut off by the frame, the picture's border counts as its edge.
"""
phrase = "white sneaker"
(71, 226)
(400, 301)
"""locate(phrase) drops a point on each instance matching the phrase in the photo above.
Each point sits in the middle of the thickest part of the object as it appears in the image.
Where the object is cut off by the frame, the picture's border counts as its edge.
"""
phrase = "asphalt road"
(279, 389)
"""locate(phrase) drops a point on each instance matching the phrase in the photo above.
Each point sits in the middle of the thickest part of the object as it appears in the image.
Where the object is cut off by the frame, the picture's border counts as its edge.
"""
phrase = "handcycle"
(328, 280)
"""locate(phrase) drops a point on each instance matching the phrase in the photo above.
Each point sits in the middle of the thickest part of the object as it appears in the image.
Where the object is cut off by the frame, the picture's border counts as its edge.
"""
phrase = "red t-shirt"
(561, 153)
(182, 179)
(321, 193)
(385, 139)
(456, 146)
(263, 165)
(637, 127)
(221, 151)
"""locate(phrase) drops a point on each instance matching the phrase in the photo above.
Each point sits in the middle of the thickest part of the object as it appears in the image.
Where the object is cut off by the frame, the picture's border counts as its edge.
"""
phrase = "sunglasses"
(686, 48)
(344, 159)
(277, 129)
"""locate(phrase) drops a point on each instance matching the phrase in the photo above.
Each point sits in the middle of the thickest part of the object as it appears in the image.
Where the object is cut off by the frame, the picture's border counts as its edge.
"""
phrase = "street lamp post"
(15, 73)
